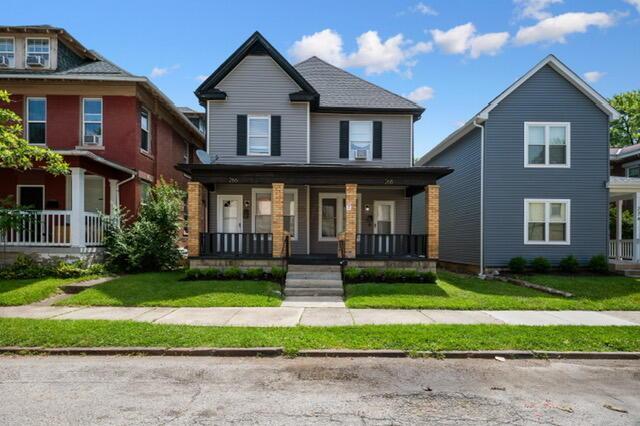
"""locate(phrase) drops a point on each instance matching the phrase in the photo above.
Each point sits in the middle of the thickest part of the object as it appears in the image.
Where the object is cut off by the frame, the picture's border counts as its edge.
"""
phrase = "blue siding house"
(530, 174)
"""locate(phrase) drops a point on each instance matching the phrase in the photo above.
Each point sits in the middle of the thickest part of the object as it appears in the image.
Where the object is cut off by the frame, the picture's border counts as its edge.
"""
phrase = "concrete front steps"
(313, 280)
(629, 269)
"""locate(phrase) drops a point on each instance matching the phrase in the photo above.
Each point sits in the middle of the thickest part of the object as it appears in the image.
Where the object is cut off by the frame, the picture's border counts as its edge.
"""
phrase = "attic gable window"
(7, 52)
(37, 52)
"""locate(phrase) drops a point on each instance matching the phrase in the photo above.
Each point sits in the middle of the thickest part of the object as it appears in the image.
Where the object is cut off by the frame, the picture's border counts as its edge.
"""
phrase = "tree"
(626, 130)
(16, 152)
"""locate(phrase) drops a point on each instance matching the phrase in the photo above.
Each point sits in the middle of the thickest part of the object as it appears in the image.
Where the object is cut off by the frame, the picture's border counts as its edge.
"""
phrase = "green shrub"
(278, 274)
(28, 267)
(392, 275)
(427, 277)
(599, 264)
(569, 264)
(352, 275)
(517, 265)
(254, 274)
(202, 274)
(541, 265)
(409, 275)
(150, 243)
(232, 273)
(370, 274)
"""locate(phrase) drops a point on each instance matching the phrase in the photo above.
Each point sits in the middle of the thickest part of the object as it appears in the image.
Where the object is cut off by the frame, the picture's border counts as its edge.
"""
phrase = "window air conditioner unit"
(360, 154)
(4, 61)
(92, 139)
(35, 61)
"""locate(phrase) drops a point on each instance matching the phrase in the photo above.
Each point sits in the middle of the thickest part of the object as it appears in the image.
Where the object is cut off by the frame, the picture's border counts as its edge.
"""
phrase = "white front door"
(383, 217)
(229, 213)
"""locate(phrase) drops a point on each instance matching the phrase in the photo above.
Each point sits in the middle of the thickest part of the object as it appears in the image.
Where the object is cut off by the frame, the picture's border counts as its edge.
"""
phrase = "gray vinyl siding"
(396, 139)
(459, 202)
(298, 246)
(368, 196)
(546, 96)
(257, 86)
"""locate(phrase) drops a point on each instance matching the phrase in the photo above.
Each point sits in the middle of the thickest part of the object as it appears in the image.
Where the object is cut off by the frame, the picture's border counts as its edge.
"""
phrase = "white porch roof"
(623, 185)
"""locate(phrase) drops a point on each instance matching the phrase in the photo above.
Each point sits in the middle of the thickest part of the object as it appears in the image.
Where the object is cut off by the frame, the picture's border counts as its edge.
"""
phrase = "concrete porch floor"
(286, 316)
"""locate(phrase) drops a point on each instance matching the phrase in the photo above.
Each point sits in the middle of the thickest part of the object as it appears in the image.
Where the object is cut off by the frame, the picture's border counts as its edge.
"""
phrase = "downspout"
(481, 274)
(129, 179)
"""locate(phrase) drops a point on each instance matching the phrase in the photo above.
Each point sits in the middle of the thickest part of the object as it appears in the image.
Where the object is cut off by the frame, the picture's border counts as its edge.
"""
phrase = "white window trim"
(30, 186)
(12, 52)
(339, 196)
(26, 130)
(546, 125)
(391, 203)
(26, 51)
(101, 122)
(547, 202)
(258, 117)
(370, 150)
(187, 151)
(148, 130)
(219, 211)
(294, 191)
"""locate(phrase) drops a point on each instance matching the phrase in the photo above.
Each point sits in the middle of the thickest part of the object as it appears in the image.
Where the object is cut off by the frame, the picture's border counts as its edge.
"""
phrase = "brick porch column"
(432, 215)
(277, 219)
(351, 203)
(195, 210)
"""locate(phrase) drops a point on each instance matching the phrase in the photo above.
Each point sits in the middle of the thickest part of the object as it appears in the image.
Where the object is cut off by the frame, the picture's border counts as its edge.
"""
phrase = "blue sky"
(453, 56)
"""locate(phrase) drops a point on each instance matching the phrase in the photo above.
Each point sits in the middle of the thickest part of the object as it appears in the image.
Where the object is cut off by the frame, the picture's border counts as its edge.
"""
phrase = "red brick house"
(118, 132)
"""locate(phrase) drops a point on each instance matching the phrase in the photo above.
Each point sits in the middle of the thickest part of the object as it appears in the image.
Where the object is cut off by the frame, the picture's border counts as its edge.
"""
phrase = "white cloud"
(593, 76)
(424, 9)
(201, 77)
(373, 54)
(422, 93)
(463, 39)
(535, 9)
(160, 72)
(556, 28)
(635, 3)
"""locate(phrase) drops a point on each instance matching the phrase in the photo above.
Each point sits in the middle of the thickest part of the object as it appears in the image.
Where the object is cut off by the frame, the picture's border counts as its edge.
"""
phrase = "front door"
(383, 224)
(31, 197)
(230, 213)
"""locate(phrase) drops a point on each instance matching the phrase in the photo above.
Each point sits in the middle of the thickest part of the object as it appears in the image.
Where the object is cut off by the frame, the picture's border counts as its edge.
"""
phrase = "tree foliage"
(626, 130)
(16, 152)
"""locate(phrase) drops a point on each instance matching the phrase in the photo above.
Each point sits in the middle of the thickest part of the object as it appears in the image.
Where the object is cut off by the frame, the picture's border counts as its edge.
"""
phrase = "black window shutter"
(344, 139)
(241, 146)
(275, 135)
(377, 139)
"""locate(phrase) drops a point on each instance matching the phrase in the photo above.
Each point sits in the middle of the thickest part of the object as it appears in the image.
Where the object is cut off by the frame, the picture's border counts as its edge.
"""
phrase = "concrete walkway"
(319, 316)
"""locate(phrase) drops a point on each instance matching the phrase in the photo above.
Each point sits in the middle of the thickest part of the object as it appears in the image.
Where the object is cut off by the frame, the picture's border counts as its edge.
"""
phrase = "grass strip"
(25, 291)
(437, 337)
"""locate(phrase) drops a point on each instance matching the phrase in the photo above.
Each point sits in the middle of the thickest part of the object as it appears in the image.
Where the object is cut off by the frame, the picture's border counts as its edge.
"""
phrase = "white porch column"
(114, 195)
(618, 238)
(77, 207)
(636, 227)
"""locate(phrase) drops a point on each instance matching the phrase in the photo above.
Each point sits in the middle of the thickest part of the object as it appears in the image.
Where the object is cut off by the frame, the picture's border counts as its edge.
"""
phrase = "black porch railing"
(390, 245)
(223, 244)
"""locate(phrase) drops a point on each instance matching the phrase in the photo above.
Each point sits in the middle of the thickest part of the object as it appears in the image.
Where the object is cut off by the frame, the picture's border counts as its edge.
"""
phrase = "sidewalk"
(323, 316)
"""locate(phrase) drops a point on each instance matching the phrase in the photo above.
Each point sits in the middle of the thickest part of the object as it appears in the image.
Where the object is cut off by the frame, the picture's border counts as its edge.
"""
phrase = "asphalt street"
(180, 390)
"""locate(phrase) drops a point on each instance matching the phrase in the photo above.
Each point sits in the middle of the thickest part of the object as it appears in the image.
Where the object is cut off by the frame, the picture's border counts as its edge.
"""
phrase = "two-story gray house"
(531, 172)
(307, 161)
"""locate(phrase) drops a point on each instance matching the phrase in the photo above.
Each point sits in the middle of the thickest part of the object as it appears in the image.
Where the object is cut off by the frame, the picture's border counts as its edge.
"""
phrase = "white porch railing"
(621, 249)
(53, 228)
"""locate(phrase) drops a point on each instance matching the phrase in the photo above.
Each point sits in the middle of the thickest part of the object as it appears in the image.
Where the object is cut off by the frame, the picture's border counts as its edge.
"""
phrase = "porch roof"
(88, 159)
(314, 174)
(620, 184)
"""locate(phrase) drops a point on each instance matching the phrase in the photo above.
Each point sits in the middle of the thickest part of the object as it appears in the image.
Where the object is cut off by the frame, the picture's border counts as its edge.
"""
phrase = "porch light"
(247, 204)
(367, 208)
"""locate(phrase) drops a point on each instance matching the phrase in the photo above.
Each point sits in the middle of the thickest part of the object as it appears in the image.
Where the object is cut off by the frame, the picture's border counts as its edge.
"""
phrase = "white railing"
(41, 228)
(94, 229)
(621, 249)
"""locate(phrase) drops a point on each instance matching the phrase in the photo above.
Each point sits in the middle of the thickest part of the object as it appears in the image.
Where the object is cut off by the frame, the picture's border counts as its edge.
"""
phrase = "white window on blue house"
(547, 221)
(547, 144)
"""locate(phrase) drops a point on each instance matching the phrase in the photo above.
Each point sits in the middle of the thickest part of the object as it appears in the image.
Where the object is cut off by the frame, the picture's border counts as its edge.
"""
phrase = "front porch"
(624, 242)
(311, 213)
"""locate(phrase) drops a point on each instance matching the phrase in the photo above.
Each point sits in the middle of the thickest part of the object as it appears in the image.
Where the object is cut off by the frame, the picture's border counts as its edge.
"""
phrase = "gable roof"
(616, 154)
(553, 62)
(341, 89)
(254, 45)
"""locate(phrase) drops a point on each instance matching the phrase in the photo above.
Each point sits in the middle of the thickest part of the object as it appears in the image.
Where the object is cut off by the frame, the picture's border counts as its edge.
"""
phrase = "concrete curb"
(316, 353)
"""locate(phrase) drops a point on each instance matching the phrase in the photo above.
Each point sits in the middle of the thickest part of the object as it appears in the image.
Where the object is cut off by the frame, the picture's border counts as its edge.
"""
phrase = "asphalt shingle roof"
(340, 89)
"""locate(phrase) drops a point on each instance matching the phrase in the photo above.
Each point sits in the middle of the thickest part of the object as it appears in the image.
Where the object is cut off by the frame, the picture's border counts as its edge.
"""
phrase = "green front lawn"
(58, 333)
(166, 289)
(454, 291)
(23, 292)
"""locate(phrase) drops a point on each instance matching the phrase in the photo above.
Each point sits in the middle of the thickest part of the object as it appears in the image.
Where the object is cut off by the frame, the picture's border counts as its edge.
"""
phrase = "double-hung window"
(145, 130)
(36, 120)
(547, 221)
(92, 121)
(547, 144)
(262, 211)
(259, 135)
(7, 52)
(360, 140)
(37, 52)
